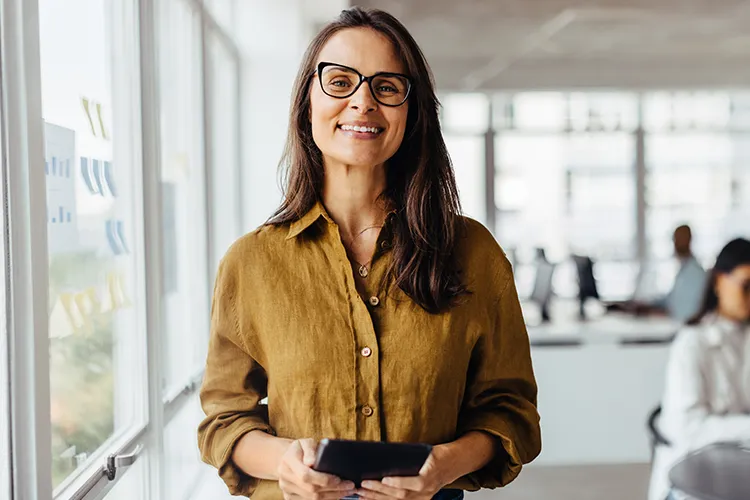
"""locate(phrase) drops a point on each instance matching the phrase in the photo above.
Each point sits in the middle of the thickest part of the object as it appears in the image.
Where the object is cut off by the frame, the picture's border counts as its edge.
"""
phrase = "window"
(93, 197)
(224, 12)
(224, 130)
(200, 201)
(467, 155)
(92, 158)
(697, 151)
(566, 168)
(184, 468)
(465, 120)
(4, 353)
(133, 483)
(185, 285)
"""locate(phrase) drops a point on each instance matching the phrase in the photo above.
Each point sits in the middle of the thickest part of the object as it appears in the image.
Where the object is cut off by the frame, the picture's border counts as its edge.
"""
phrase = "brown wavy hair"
(420, 183)
(736, 253)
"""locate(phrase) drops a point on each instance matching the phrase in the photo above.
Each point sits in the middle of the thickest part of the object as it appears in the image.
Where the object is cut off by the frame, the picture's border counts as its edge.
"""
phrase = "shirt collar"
(721, 328)
(316, 212)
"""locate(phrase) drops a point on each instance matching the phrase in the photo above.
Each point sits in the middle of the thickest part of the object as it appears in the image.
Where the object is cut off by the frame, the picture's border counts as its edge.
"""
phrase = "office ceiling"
(496, 44)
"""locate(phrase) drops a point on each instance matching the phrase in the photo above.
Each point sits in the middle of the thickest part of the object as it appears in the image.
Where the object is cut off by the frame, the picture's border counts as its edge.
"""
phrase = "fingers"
(295, 492)
(309, 447)
(298, 480)
(306, 475)
(376, 490)
(414, 483)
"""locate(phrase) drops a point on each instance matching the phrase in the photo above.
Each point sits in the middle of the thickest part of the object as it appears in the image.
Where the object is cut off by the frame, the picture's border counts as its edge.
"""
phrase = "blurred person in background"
(707, 393)
(684, 298)
(367, 308)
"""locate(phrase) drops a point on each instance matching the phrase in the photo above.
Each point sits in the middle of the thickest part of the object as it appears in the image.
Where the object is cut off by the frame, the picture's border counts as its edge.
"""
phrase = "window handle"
(115, 462)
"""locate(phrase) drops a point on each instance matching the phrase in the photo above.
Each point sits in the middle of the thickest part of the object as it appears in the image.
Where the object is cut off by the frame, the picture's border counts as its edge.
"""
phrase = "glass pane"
(134, 482)
(184, 469)
(184, 270)
(465, 113)
(686, 110)
(534, 165)
(698, 173)
(693, 178)
(223, 12)
(467, 155)
(577, 190)
(4, 359)
(603, 111)
(91, 157)
(540, 110)
(225, 153)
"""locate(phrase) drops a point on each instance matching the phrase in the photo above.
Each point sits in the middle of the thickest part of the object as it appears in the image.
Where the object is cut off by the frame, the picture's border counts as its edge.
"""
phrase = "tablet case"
(359, 460)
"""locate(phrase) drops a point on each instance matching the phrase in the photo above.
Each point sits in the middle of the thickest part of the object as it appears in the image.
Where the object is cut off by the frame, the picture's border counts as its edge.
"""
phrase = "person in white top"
(707, 393)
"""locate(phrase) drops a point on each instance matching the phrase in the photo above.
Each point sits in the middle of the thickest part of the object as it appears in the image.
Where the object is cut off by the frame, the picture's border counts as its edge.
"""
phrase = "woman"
(707, 394)
(367, 308)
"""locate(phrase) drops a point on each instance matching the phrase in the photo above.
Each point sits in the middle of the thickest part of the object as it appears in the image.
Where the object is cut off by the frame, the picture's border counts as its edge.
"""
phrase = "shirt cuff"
(236, 480)
(505, 466)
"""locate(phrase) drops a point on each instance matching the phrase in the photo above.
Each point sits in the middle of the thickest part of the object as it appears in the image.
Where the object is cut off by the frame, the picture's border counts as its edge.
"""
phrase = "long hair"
(736, 253)
(420, 183)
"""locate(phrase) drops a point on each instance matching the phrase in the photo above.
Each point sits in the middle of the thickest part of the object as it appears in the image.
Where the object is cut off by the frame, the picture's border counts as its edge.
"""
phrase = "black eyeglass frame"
(362, 78)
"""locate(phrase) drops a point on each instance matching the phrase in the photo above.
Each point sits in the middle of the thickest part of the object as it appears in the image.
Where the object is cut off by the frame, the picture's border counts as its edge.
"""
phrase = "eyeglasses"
(340, 82)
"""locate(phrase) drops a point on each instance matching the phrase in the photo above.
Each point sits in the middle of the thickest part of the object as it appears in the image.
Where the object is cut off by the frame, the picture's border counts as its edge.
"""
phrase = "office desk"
(716, 472)
(608, 329)
(598, 380)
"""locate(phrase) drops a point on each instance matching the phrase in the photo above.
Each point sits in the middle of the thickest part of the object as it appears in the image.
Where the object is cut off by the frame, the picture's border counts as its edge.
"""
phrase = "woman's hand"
(297, 480)
(432, 478)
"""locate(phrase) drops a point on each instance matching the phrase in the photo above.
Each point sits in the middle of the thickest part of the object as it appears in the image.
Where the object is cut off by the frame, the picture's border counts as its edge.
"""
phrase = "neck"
(350, 195)
(727, 316)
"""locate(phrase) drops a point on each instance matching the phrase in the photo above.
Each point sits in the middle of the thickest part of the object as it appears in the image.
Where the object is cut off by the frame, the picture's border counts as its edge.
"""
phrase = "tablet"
(359, 460)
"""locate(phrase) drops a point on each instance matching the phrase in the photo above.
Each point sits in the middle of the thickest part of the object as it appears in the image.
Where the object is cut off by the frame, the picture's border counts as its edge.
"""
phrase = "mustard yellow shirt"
(288, 323)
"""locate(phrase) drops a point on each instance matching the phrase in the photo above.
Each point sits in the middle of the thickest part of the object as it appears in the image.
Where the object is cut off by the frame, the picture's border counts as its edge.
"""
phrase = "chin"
(361, 160)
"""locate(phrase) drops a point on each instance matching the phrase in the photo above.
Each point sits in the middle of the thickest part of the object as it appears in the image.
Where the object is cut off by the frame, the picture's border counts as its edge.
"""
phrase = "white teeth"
(357, 128)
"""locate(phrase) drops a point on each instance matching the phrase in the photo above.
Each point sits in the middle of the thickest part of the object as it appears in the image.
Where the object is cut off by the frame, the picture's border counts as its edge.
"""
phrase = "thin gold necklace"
(362, 269)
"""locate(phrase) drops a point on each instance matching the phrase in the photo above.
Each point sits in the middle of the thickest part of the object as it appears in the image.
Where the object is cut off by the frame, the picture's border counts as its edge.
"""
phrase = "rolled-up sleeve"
(233, 386)
(501, 393)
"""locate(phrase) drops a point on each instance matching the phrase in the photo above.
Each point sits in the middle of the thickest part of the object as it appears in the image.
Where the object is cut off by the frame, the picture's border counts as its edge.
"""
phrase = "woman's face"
(368, 52)
(733, 290)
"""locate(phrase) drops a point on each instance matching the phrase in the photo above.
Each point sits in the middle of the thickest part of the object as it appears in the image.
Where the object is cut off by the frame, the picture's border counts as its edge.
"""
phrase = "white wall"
(272, 36)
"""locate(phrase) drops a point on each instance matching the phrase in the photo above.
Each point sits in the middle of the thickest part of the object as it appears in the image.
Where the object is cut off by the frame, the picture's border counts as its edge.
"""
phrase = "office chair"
(587, 288)
(542, 292)
(655, 436)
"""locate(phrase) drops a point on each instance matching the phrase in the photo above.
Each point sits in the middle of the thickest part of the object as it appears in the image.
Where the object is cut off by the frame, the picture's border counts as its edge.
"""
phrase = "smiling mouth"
(362, 130)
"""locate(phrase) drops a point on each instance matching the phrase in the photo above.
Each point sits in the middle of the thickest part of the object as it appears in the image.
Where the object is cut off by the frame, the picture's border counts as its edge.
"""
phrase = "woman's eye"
(340, 83)
(387, 88)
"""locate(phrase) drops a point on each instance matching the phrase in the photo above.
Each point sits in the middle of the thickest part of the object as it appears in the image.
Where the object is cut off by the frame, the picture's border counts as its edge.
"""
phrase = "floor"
(589, 482)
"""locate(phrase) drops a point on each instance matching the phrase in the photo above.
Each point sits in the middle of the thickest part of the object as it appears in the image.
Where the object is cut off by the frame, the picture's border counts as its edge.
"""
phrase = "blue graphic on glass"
(112, 237)
(109, 178)
(98, 176)
(121, 235)
(86, 174)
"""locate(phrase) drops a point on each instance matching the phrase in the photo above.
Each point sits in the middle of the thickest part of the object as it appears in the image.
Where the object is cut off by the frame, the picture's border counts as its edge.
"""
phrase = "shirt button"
(366, 351)
(363, 271)
(367, 411)
(374, 301)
